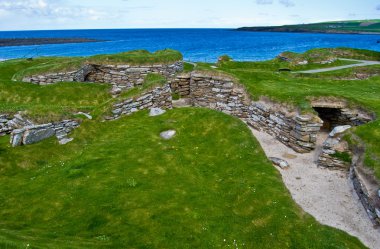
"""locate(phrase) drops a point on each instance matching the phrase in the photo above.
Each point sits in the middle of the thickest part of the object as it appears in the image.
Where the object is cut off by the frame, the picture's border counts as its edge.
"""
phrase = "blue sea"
(201, 45)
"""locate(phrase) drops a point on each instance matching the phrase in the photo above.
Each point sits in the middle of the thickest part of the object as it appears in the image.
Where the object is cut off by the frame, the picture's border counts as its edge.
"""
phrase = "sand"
(328, 195)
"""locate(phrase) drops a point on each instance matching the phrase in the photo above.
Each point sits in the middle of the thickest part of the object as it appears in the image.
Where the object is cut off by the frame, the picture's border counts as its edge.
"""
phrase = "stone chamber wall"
(224, 94)
(159, 97)
(24, 132)
(365, 184)
(123, 76)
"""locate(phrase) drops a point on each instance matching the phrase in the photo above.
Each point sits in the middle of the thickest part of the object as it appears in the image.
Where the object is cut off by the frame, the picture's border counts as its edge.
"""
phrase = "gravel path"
(325, 194)
(361, 63)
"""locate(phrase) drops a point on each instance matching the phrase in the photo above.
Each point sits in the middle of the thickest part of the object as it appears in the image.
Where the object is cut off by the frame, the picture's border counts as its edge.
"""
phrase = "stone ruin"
(121, 76)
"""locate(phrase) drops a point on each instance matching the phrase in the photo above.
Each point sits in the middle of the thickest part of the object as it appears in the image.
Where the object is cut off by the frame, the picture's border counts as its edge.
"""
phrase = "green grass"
(263, 79)
(138, 57)
(118, 185)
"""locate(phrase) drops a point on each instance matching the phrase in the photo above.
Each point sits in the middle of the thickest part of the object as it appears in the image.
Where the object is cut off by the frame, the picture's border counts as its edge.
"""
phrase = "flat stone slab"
(167, 135)
(339, 130)
(156, 112)
(32, 136)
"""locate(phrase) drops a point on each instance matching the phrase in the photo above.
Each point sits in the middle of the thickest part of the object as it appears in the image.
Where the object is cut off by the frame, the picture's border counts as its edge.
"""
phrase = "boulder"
(156, 112)
(339, 130)
(167, 135)
(279, 162)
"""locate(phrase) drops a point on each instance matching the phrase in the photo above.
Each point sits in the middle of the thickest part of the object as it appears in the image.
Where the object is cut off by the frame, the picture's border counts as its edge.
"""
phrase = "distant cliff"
(342, 27)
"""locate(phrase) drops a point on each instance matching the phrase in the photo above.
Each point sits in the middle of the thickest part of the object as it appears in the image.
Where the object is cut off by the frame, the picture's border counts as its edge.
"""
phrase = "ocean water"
(201, 45)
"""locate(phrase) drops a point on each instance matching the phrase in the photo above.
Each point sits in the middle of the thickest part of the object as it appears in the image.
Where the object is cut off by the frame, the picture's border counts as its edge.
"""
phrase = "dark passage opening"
(332, 117)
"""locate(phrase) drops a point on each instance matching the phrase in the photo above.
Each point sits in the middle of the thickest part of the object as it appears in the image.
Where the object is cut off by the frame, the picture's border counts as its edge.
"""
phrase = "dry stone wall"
(224, 94)
(159, 97)
(181, 85)
(126, 76)
(123, 76)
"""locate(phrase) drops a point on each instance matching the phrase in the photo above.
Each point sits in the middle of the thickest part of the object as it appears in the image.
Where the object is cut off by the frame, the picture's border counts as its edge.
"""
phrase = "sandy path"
(325, 194)
(361, 63)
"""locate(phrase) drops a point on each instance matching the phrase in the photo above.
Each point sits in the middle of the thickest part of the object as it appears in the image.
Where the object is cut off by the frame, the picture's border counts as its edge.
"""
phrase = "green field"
(119, 185)
(350, 27)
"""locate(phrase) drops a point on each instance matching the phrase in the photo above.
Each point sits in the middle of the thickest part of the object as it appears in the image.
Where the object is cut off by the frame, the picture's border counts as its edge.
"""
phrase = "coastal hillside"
(340, 27)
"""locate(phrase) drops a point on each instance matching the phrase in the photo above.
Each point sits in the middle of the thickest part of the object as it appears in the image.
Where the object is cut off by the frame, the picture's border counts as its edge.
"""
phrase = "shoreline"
(14, 42)
(305, 31)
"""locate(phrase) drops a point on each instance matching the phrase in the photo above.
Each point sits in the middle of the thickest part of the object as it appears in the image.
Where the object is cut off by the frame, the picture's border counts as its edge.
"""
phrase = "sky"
(101, 14)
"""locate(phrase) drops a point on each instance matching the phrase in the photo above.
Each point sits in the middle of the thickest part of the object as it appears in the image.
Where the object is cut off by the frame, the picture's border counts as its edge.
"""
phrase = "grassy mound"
(118, 184)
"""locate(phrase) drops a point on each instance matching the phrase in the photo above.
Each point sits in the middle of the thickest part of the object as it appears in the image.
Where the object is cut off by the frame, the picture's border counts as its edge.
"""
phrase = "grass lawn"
(118, 184)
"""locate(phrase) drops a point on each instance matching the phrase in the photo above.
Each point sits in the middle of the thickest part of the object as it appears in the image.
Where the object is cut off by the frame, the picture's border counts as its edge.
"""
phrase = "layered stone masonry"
(181, 85)
(334, 145)
(366, 186)
(224, 94)
(159, 97)
(123, 76)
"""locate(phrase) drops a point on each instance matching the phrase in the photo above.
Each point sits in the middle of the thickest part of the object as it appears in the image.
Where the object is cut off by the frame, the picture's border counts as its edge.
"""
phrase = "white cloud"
(50, 9)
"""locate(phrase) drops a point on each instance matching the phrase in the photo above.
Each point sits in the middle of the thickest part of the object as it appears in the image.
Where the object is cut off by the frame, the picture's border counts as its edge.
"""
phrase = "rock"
(167, 135)
(279, 162)
(16, 137)
(303, 118)
(65, 141)
(156, 112)
(35, 134)
(305, 62)
(115, 90)
(339, 130)
(88, 116)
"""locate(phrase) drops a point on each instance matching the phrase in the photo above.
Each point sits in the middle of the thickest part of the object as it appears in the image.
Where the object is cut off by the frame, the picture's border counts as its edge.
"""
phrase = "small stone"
(304, 118)
(115, 90)
(167, 135)
(279, 162)
(85, 114)
(156, 112)
(339, 130)
(65, 141)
